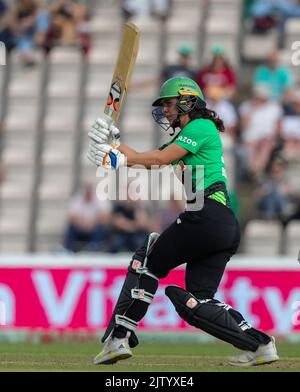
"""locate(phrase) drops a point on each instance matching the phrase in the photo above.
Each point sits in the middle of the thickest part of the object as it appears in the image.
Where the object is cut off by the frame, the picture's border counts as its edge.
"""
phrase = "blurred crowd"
(267, 15)
(158, 9)
(29, 24)
(102, 225)
(26, 24)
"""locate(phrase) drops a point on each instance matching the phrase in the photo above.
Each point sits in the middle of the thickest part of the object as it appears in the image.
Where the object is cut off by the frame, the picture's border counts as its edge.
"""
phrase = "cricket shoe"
(266, 353)
(114, 350)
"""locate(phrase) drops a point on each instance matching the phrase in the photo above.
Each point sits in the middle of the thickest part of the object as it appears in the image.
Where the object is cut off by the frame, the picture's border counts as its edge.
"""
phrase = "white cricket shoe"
(266, 353)
(114, 350)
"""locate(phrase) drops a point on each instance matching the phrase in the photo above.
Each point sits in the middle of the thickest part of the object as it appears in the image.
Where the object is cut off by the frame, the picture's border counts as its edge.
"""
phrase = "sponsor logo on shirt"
(185, 139)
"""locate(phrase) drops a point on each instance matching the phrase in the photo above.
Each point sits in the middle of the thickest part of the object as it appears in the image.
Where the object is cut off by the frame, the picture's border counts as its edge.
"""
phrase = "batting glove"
(104, 132)
(106, 156)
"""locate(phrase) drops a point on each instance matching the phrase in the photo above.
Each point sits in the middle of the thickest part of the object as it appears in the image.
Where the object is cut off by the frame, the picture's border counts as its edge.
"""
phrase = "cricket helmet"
(189, 97)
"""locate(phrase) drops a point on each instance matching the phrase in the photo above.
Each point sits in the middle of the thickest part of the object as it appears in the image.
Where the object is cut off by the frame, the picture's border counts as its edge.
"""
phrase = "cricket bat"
(123, 69)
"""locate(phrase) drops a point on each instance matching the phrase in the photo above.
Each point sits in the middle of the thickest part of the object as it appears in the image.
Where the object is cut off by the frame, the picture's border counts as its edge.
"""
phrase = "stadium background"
(48, 103)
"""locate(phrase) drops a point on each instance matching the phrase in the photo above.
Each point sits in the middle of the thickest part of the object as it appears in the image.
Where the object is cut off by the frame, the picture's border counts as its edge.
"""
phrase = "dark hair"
(209, 115)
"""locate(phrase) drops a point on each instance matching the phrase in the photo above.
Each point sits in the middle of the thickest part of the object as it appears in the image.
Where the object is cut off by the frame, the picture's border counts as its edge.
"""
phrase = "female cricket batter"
(204, 236)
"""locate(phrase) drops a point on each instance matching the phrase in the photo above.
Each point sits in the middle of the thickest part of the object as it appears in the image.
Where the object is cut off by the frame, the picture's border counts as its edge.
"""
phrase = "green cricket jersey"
(202, 139)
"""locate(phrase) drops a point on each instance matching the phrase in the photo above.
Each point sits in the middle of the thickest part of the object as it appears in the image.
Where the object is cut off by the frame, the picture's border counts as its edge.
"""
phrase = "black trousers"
(204, 240)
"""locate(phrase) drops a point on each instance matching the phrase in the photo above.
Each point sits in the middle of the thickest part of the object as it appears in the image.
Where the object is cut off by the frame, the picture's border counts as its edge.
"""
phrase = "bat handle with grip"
(108, 118)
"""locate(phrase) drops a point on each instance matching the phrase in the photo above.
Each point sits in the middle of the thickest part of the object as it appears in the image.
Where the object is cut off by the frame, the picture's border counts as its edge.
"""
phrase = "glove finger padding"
(114, 130)
(91, 157)
(95, 147)
(102, 123)
(105, 155)
(114, 139)
(98, 137)
(99, 150)
(100, 131)
(95, 158)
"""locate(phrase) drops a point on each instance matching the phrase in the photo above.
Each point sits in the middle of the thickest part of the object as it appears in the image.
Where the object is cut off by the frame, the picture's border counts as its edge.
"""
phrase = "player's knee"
(152, 269)
(145, 249)
(157, 266)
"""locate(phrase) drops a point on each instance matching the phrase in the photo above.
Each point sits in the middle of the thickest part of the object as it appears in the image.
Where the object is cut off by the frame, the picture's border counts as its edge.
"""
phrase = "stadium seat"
(256, 46)
(262, 237)
(292, 175)
(292, 32)
(293, 239)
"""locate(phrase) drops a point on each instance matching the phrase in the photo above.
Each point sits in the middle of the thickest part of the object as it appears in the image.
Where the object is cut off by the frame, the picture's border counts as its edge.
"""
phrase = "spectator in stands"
(218, 73)
(233, 151)
(7, 27)
(291, 126)
(26, 24)
(69, 24)
(63, 23)
(216, 100)
(270, 13)
(161, 9)
(24, 14)
(3, 8)
(183, 67)
(84, 31)
(278, 77)
(273, 196)
(129, 9)
(42, 25)
(265, 14)
(88, 220)
(129, 225)
(171, 212)
(260, 126)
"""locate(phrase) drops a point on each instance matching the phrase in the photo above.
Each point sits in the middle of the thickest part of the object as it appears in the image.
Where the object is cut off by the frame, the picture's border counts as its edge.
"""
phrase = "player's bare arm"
(154, 157)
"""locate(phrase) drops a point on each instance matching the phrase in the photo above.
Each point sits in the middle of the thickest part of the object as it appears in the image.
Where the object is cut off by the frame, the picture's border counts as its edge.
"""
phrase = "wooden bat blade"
(123, 70)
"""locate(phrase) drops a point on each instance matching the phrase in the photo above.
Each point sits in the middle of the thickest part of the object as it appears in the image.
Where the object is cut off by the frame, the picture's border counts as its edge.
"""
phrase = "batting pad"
(209, 317)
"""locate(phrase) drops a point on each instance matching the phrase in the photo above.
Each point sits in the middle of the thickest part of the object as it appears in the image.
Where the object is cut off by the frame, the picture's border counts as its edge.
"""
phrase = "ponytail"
(209, 115)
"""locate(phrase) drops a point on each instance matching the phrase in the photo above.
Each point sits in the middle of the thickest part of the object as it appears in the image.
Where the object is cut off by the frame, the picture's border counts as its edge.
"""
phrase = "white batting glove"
(94, 150)
(114, 136)
(106, 156)
(104, 132)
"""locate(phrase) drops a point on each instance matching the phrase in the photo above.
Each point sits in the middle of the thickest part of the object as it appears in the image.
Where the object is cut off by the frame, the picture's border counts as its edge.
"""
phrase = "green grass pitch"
(155, 357)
